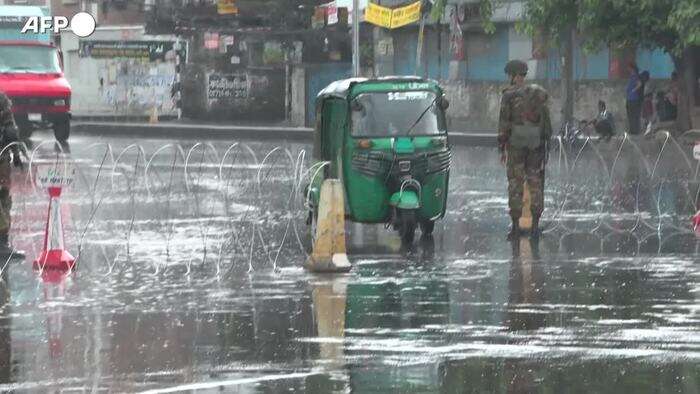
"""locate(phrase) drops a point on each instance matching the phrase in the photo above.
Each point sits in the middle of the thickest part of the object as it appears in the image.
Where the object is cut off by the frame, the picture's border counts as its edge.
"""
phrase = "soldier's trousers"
(5, 198)
(525, 164)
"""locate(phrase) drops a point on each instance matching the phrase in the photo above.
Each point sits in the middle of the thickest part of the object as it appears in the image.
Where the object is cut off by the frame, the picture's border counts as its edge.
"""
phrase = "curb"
(194, 131)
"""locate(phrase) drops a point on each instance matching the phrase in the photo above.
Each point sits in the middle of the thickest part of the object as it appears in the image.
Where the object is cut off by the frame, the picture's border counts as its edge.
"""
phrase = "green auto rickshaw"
(386, 140)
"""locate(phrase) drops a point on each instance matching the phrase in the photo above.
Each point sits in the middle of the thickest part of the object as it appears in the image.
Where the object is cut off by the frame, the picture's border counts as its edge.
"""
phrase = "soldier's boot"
(6, 250)
(514, 232)
(535, 232)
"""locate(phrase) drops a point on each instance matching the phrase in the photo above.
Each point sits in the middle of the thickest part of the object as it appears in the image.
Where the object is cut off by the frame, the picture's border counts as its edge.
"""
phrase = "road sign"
(55, 175)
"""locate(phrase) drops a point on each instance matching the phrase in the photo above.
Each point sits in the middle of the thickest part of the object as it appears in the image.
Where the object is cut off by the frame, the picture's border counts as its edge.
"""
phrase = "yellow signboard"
(392, 18)
(378, 15)
(224, 7)
(405, 15)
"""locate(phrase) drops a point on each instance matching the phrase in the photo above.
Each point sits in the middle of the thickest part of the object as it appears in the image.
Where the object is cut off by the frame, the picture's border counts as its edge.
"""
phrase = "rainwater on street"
(190, 277)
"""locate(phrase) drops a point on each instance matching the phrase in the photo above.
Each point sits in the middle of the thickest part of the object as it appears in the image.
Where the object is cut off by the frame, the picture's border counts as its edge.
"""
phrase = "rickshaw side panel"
(327, 144)
(367, 197)
(334, 124)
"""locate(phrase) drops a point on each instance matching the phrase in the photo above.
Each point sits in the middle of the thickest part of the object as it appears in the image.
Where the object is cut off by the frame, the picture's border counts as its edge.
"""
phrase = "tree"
(672, 25)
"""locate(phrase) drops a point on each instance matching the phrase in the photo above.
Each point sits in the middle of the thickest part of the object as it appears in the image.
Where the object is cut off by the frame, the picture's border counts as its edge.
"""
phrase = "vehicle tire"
(312, 226)
(427, 226)
(24, 132)
(407, 225)
(24, 128)
(61, 130)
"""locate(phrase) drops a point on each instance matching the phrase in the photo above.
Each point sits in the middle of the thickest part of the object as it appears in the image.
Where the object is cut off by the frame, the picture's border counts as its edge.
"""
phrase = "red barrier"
(53, 253)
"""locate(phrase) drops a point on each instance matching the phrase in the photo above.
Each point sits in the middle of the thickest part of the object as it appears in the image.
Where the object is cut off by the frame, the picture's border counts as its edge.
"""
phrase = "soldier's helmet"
(516, 67)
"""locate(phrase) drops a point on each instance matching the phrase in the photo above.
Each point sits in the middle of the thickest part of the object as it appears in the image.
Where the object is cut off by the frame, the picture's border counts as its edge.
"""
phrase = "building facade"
(246, 60)
(469, 62)
(119, 71)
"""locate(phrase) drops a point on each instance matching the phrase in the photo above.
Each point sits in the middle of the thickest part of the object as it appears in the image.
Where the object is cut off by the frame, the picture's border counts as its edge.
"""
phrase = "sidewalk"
(256, 131)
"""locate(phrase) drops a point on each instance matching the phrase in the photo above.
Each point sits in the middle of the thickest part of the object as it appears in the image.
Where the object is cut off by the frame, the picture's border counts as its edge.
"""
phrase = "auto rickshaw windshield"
(391, 114)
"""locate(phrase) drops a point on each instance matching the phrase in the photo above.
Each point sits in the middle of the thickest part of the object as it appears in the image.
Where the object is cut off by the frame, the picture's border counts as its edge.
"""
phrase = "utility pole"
(419, 46)
(567, 76)
(355, 38)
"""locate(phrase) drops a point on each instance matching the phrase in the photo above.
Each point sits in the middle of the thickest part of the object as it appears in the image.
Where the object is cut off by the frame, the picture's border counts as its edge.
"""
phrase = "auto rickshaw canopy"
(347, 89)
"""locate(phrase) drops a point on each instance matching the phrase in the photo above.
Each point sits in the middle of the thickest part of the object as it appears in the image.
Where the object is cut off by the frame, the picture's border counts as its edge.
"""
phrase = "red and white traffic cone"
(54, 255)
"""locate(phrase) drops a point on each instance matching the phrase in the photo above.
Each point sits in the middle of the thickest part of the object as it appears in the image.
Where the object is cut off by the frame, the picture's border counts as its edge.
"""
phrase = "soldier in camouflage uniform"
(524, 129)
(8, 135)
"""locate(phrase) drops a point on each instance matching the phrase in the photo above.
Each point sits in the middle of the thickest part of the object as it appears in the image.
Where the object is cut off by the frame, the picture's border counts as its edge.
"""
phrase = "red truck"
(31, 75)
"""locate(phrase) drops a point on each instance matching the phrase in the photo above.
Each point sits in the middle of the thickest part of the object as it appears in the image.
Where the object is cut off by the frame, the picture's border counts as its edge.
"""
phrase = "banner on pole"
(226, 7)
(405, 15)
(378, 15)
(392, 18)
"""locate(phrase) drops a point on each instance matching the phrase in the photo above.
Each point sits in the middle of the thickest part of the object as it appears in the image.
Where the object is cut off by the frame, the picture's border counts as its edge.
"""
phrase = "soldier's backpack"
(530, 133)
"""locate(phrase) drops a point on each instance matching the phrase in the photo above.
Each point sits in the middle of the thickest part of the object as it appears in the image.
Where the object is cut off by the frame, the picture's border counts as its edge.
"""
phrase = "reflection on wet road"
(192, 280)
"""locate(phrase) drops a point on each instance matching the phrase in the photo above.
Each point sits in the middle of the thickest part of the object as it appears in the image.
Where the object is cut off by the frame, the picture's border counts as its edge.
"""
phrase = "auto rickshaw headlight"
(364, 143)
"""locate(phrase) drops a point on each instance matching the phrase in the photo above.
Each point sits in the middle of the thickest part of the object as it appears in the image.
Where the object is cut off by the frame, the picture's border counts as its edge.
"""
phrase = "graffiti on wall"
(227, 87)
(136, 86)
(134, 77)
(237, 92)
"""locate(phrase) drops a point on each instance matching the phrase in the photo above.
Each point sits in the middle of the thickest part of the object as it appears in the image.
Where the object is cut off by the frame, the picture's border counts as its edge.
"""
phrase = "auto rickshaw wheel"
(24, 129)
(427, 226)
(407, 225)
(312, 225)
(61, 130)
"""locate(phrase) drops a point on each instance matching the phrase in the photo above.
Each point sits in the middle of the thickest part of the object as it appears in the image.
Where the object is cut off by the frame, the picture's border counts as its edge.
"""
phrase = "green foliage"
(486, 10)
(685, 19)
(273, 55)
(438, 10)
(551, 16)
(670, 24)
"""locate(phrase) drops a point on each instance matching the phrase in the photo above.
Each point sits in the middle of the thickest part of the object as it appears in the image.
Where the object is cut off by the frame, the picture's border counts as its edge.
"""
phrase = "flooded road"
(189, 278)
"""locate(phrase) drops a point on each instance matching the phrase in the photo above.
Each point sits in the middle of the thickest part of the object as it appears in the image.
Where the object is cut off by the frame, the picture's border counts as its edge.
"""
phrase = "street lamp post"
(355, 38)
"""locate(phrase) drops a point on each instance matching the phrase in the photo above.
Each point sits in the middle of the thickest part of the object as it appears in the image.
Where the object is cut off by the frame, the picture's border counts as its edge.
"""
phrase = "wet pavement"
(189, 278)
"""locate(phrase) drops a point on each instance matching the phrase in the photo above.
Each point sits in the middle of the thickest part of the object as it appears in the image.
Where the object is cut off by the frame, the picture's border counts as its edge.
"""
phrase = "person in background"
(671, 99)
(604, 122)
(8, 135)
(644, 78)
(648, 110)
(634, 99)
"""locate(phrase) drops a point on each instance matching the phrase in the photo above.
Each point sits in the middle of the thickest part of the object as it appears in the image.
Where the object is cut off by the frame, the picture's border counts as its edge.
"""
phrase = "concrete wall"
(299, 101)
(118, 86)
(474, 106)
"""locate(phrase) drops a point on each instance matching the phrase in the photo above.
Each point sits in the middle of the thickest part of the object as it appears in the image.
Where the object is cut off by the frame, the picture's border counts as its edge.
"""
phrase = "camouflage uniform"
(8, 133)
(524, 108)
